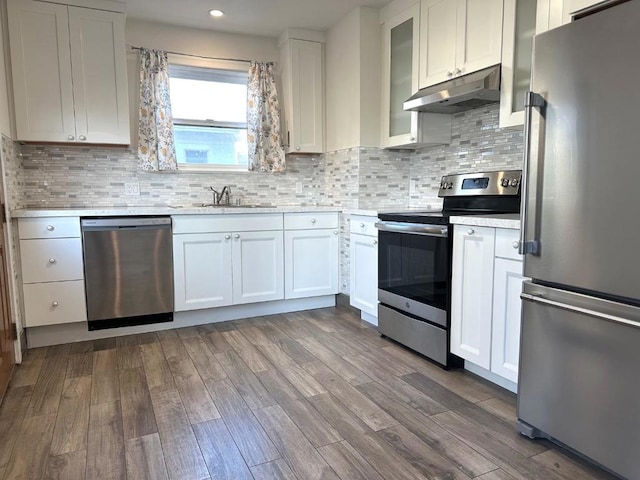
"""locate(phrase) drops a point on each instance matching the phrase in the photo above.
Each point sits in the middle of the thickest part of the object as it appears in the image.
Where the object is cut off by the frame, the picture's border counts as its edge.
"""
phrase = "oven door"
(414, 269)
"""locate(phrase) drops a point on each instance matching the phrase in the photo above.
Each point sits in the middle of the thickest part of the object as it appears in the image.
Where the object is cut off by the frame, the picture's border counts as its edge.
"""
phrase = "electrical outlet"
(413, 186)
(298, 187)
(132, 189)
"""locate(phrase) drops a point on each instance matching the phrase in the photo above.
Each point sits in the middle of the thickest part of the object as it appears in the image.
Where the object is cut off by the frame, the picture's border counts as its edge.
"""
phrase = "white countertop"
(168, 210)
(504, 220)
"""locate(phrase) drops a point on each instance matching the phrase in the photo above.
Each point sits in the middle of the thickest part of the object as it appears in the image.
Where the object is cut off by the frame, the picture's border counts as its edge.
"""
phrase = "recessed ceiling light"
(216, 13)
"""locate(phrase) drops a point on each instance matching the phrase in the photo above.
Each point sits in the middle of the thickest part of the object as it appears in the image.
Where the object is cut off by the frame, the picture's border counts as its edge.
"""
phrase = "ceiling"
(253, 17)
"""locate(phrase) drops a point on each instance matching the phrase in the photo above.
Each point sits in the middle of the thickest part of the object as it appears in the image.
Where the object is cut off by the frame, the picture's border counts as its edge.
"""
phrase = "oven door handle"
(414, 228)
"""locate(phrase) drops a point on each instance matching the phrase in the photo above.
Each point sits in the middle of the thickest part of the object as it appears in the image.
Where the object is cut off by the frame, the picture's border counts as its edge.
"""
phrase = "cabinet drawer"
(507, 243)
(306, 221)
(54, 303)
(364, 225)
(245, 222)
(51, 260)
(53, 227)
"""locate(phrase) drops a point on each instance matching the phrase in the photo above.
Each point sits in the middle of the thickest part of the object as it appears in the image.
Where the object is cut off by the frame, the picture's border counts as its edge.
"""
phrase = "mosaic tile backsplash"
(362, 177)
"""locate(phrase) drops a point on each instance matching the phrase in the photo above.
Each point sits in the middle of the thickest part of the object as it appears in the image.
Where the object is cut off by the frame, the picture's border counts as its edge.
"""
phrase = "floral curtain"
(266, 153)
(156, 147)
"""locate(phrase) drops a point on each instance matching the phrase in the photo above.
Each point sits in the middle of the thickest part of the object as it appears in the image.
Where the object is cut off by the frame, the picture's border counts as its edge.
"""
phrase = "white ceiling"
(253, 17)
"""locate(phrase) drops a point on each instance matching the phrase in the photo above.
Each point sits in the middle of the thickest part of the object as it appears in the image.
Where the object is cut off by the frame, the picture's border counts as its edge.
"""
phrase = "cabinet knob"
(471, 231)
(457, 71)
(51, 228)
(335, 232)
(82, 138)
(362, 225)
(237, 235)
(313, 220)
(515, 244)
(297, 149)
(375, 242)
(54, 303)
(52, 260)
(449, 74)
(227, 237)
(412, 139)
(70, 137)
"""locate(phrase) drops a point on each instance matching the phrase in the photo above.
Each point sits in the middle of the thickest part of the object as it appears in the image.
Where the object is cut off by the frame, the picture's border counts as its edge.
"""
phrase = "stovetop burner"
(469, 194)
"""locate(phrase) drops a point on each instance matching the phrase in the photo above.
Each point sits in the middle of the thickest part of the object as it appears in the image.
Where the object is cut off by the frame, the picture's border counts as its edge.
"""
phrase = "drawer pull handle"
(362, 225)
(51, 228)
(52, 261)
(515, 244)
(227, 237)
(471, 231)
(313, 220)
(237, 235)
(54, 304)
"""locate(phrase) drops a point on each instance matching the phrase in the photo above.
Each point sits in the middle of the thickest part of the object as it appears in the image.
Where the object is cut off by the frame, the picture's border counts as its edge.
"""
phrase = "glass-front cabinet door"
(519, 27)
(400, 77)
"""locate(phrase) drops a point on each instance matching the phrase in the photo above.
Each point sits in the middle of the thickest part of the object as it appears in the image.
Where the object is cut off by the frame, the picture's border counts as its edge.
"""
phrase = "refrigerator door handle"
(585, 311)
(529, 246)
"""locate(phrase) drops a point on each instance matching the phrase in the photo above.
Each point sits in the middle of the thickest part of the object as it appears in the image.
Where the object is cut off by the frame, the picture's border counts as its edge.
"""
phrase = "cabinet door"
(400, 62)
(518, 30)
(507, 306)
(479, 37)
(202, 271)
(363, 290)
(41, 66)
(311, 262)
(307, 89)
(472, 293)
(99, 76)
(258, 267)
(438, 41)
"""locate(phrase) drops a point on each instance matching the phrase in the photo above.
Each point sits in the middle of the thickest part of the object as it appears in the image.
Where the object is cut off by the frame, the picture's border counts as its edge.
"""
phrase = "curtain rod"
(200, 56)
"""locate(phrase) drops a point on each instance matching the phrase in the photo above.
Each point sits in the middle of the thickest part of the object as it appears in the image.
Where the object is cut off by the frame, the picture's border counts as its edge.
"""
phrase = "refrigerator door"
(578, 379)
(584, 169)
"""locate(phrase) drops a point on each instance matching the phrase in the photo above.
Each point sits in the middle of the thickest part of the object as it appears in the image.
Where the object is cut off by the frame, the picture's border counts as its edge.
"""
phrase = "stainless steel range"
(414, 260)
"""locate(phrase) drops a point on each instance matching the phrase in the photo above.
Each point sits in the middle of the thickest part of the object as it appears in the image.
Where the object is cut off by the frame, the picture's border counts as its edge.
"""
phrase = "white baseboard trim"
(492, 377)
(367, 317)
(78, 332)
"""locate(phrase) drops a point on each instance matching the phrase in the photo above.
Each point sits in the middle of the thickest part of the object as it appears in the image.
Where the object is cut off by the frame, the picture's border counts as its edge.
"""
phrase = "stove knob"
(504, 182)
(450, 185)
(514, 182)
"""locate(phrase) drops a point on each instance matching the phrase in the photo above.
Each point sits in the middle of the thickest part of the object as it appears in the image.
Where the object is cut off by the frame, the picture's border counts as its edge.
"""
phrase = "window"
(209, 109)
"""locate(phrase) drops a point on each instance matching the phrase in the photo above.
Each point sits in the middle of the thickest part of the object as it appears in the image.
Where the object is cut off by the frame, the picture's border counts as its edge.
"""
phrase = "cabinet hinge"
(14, 331)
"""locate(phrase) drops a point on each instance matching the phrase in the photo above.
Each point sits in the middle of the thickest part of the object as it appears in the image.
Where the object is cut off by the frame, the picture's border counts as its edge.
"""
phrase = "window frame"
(235, 69)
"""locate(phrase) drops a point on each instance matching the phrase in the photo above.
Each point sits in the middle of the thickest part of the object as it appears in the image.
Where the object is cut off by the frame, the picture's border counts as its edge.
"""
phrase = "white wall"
(5, 116)
(190, 41)
(353, 52)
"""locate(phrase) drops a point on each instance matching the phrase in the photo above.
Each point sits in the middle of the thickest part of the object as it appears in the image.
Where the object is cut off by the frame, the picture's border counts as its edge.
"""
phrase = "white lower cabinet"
(202, 271)
(257, 267)
(310, 263)
(485, 301)
(363, 267)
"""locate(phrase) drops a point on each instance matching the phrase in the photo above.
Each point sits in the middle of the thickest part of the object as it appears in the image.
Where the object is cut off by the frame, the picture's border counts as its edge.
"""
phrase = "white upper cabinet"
(458, 37)
(400, 62)
(302, 63)
(69, 73)
(555, 13)
(518, 31)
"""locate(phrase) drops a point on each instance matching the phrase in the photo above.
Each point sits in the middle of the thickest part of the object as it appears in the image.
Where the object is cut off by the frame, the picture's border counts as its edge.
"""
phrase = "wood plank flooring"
(307, 395)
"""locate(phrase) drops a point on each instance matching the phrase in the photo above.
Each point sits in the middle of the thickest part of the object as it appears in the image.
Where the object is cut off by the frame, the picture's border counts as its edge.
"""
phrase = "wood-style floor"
(313, 395)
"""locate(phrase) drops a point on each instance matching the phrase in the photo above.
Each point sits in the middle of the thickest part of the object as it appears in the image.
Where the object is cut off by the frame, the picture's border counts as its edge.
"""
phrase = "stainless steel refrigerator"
(579, 377)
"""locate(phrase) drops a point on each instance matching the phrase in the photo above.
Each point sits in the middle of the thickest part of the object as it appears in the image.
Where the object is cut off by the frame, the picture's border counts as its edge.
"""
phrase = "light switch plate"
(132, 189)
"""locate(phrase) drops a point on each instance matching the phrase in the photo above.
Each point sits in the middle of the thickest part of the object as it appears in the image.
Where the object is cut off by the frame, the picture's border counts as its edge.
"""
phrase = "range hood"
(459, 94)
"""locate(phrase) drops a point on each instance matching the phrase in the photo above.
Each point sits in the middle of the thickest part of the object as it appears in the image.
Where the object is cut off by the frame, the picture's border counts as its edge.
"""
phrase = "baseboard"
(78, 332)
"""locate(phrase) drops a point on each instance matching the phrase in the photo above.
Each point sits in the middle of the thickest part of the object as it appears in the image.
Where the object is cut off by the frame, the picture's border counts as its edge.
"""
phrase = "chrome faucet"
(221, 197)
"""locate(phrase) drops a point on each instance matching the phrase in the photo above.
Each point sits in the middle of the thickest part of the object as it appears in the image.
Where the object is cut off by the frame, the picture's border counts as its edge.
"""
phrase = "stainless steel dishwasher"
(128, 270)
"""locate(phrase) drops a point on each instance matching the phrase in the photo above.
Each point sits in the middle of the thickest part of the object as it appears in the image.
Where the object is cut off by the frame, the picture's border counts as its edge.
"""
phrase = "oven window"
(415, 267)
